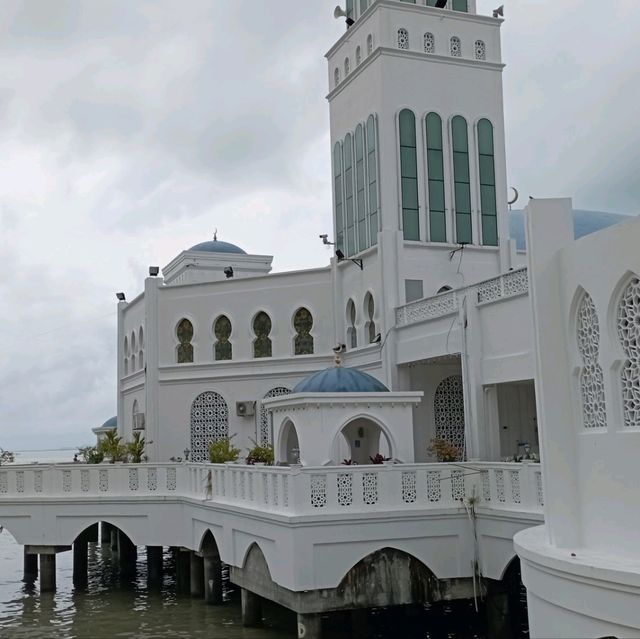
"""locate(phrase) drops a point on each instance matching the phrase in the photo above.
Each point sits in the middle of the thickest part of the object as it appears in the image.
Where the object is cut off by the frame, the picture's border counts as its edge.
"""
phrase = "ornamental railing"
(504, 286)
(290, 491)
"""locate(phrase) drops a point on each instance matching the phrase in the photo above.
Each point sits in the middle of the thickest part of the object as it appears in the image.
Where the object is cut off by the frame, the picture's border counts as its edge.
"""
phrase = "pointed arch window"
(403, 39)
(352, 335)
(461, 179)
(133, 363)
(361, 205)
(347, 67)
(487, 173)
(455, 46)
(429, 43)
(223, 349)
(363, 6)
(350, 228)
(372, 173)
(184, 332)
(336, 77)
(358, 55)
(369, 44)
(435, 170)
(370, 326)
(303, 323)
(338, 195)
(261, 329)
(209, 423)
(409, 175)
(628, 328)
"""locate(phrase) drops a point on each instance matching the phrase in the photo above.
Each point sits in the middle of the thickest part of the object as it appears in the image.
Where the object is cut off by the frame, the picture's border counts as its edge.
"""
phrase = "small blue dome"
(112, 422)
(339, 379)
(216, 246)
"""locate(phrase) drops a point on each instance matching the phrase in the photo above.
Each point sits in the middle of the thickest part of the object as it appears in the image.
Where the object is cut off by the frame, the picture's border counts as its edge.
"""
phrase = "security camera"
(228, 272)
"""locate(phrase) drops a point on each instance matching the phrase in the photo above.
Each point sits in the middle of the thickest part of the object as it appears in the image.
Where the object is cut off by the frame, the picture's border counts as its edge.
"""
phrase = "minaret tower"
(418, 160)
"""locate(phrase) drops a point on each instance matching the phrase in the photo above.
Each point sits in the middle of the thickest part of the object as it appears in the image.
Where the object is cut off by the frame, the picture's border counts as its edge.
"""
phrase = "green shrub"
(135, 448)
(260, 454)
(112, 447)
(90, 454)
(222, 451)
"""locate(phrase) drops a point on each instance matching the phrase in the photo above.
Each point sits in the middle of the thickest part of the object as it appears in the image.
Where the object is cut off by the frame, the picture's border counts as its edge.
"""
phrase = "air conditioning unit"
(245, 409)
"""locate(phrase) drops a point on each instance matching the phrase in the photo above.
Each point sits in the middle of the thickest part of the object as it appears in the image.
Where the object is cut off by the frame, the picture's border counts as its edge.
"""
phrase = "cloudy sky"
(130, 130)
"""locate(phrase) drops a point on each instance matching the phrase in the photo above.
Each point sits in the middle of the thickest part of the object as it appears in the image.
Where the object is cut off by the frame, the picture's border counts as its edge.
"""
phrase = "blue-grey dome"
(217, 246)
(112, 422)
(340, 379)
(584, 223)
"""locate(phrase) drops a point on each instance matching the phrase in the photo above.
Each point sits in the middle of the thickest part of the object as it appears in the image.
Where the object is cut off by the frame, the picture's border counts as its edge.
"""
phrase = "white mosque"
(431, 322)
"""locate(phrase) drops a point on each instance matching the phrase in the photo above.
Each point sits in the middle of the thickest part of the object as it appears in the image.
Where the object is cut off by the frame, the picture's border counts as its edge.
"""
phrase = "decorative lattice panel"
(370, 488)
(134, 482)
(37, 481)
(515, 283)
(264, 435)
(457, 484)
(20, 480)
(318, 491)
(628, 320)
(434, 492)
(345, 489)
(591, 378)
(489, 291)
(514, 475)
(152, 479)
(486, 486)
(539, 489)
(285, 492)
(429, 43)
(455, 47)
(3, 483)
(480, 50)
(449, 411)
(500, 485)
(274, 489)
(209, 422)
(409, 492)
(84, 481)
(171, 479)
(403, 39)
(103, 481)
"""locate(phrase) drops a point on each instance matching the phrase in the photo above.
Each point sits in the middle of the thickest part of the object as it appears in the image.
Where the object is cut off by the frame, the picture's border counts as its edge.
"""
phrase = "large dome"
(340, 379)
(584, 223)
(112, 422)
(217, 246)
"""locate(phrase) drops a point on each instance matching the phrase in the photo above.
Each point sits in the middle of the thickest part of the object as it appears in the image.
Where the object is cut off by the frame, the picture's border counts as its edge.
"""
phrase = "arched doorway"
(361, 440)
(289, 449)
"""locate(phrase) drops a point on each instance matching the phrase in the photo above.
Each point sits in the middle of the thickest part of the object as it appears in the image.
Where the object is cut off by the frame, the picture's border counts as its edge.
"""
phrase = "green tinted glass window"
(486, 169)
(349, 205)
(409, 175)
(372, 179)
(350, 8)
(460, 5)
(338, 196)
(361, 205)
(462, 187)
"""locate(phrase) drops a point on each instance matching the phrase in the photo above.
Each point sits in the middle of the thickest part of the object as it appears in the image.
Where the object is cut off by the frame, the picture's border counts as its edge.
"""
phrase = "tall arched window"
(347, 67)
(358, 55)
(126, 355)
(140, 338)
(409, 175)
(628, 325)
(337, 194)
(363, 6)
(435, 170)
(303, 322)
(262, 328)
(265, 432)
(487, 172)
(137, 418)
(372, 173)
(133, 363)
(223, 349)
(448, 405)
(352, 336)
(361, 205)
(350, 4)
(369, 44)
(184, 333)
(403, 39)
(461, 179)
(336, 77)
(481, 50)
(429, 43)
(133, 342)
(370, 326)
(350, 239)
(141, 359)
(455, 46)
(209, 423)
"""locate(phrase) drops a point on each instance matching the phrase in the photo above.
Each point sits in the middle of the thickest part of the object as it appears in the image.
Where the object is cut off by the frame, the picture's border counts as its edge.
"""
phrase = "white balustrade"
(291, 490)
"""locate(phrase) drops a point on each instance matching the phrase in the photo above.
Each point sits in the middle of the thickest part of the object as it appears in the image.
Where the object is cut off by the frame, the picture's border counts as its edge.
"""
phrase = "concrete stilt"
(30, 567)
(80, 562)
(127, 554)
(251, 608)
(114, 539)
(154, 563)
(196, 572)
(309, 626)
(498, 620)
(360, 623)
(105, 533)
(183, 565)
(212, 579)
(47, 572)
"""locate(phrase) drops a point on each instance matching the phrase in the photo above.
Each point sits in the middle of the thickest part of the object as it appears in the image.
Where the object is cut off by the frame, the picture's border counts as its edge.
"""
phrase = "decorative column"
(251, 609)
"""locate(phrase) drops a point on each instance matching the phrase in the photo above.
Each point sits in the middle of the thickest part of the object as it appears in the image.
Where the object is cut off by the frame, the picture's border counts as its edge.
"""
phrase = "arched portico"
(288, 451)
(361, 439)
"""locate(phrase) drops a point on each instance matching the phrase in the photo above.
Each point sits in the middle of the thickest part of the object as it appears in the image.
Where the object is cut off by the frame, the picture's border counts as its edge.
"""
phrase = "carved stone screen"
(264, 426)
(209, 422)
(449, 411)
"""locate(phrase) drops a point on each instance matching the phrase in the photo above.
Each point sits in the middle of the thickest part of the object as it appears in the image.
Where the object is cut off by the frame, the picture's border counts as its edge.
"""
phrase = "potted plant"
(444, 450)
(90, 454)
(112, 447)
(260, 455)
(221, 451)
(378, 458)
(135, 448)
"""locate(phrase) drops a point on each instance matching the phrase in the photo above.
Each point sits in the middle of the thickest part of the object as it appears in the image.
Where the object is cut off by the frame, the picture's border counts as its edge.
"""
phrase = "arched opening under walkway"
(360, 440)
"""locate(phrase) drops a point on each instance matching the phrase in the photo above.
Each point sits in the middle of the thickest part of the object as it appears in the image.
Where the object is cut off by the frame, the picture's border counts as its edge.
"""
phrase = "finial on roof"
(337, 360)
(215, 235)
